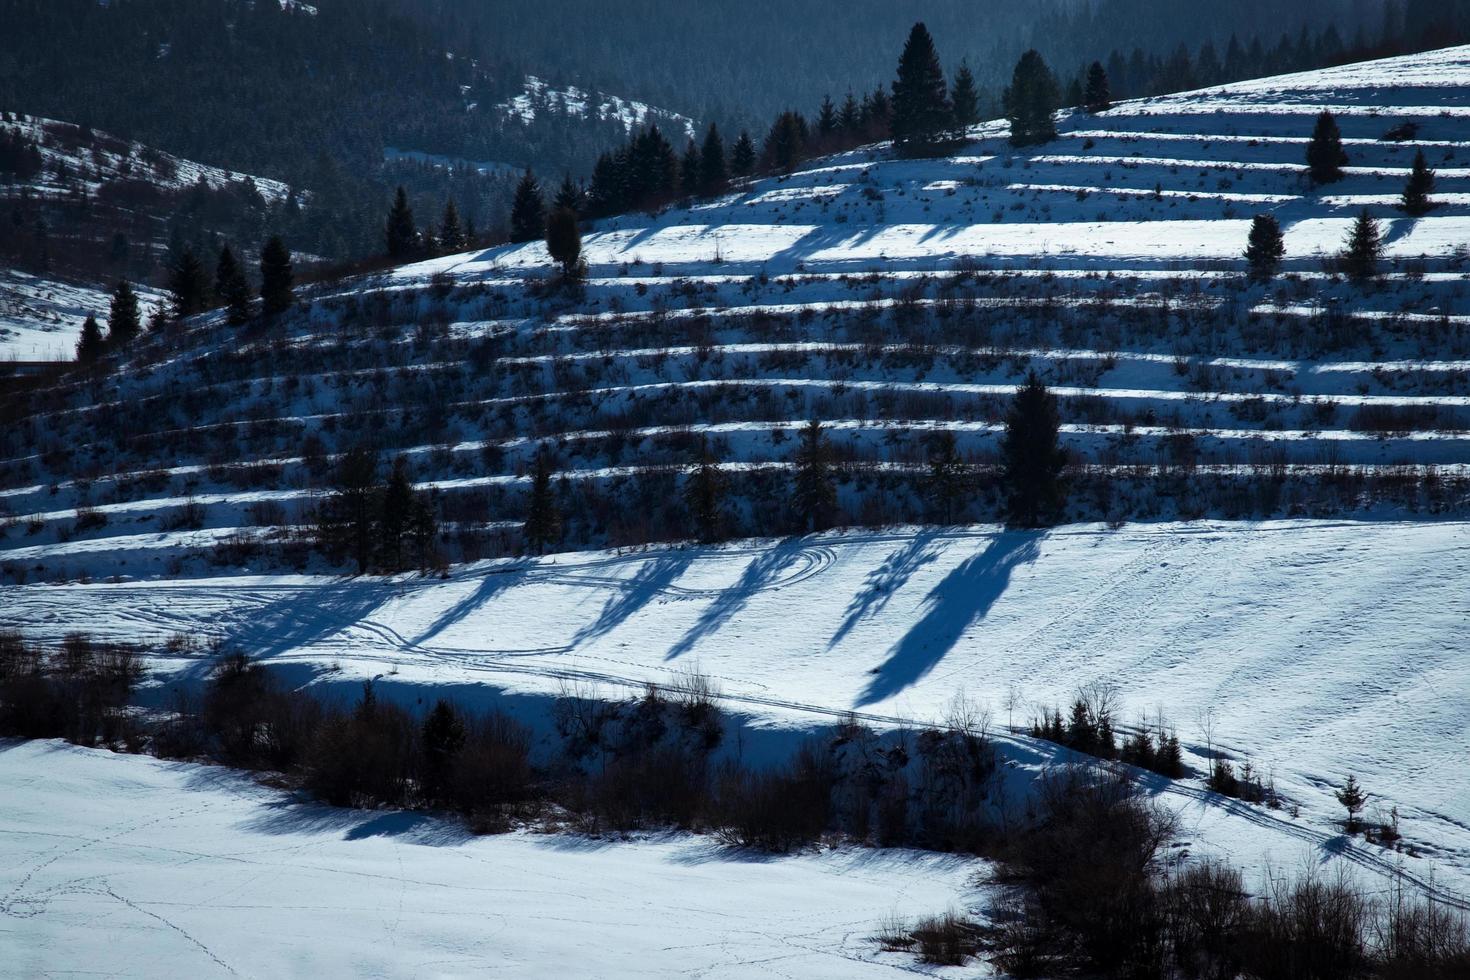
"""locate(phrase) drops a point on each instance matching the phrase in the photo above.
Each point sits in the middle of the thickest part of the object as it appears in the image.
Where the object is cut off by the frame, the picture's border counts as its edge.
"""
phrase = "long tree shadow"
(963, 598)
(309, 616)
(650, 581)
(494, 582)
(757, 576)
(886, 579)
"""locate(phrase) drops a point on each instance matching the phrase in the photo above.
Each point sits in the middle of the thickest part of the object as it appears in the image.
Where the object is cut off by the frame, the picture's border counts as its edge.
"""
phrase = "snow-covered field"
(40, 319)
(140, 868)
(1312, 649)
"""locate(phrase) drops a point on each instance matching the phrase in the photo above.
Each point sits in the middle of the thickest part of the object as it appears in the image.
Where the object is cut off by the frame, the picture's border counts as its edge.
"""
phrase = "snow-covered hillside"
(538, 96)
(40, 319)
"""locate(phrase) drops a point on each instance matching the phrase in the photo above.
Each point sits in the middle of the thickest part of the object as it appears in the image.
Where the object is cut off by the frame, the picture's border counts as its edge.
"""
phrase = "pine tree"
(1098, 95)
(712, 174)
(704, 488)
(1363, 249)
(1353, 799)
(1031, 100)
(443, 736)
(569, 197)
(423, 526)
(1325, 156)
(564, 241)
(1265, 247)
(231, 287)
(350, 513)
(1032, 458)
(527, 217)
(742, 159)
(90, 344)
(451, 234)
(826, 122)
(922, 114)
(1418, 187)
(689, 169)
(785, 145)
(397, 511)
(543, 519)
(277, 278)
(814, 494)
(965, 98)
(1074, 97)
(401, 234)
(188, 285)
(850, 119)
(123, 322)
(948, 479)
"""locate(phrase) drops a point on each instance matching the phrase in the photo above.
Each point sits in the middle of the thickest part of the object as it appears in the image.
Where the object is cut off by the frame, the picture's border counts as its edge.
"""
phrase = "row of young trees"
(191, 291)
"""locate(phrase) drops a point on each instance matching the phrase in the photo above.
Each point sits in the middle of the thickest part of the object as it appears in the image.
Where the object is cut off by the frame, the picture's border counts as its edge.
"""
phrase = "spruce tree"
(231, 287)
(826, 122)
(277, 278)
(1098, 95)
(543, 520)
(704, 488)
(851, 119)
(1074, 97)
(451, 233)
(742, 158)
(568, 197)
(396, 513)
(786, 143)
(443, 736)
(188, 284)
(1031, 100)
(965, 98)
(1418, 187)
(1264, 248)
(123, 321)
(814, 494)
(922, 115)
(527, 217)
(401, 234)
(689, 170)
(350, 514)
(1325, 156)
(1032, 458)
(948, 479)
(1363, 249)
(712, 174)
(90, 344)
(564, 241)
(1353, 799)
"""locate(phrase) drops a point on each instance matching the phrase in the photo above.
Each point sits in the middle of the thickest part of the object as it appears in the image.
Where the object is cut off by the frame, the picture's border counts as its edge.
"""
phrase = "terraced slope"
(889, 299)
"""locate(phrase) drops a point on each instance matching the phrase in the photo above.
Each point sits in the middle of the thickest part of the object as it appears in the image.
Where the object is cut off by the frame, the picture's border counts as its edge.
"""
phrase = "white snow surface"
(1312, 649)
(41, 319)
(539, 96)
(144, 868)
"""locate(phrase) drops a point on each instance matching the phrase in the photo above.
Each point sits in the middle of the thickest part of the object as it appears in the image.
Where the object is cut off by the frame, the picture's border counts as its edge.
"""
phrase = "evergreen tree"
(90, 344)
(1074, 97)
(1418, 187)
(123, 322)
(850, 119)
(814, 494)
(1098, 95)
(401, 234)
(712, 174)
(277, 278)
(564, 241)
(742, 159)
(826, 122)
(527, 217)
(423, 526)
(568, 197)
(188, 284)
(689, 170)
(1325, 156)
(786, 143)
(451, 233)
(1265, 247)
(878, 121)
(1031, 100)
(396, 514)
(704, 488)
(231, 287)
(922, 114)
(965, 98)
(543, 519)
(1353, 799)
(348, 520)
(443, 736)
(948, 479)
(1363, 250)
(1032, 458)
